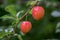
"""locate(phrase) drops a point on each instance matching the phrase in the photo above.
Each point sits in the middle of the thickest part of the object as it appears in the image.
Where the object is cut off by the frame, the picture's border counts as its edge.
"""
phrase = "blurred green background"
(48, 28)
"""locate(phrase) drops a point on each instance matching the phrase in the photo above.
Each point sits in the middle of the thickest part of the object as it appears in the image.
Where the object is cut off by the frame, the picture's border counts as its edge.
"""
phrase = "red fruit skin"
(25, 26)
(37, 12)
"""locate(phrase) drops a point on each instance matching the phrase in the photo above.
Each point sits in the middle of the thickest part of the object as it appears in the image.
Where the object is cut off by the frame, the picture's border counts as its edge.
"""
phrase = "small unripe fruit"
(37, 12)
(25, 26)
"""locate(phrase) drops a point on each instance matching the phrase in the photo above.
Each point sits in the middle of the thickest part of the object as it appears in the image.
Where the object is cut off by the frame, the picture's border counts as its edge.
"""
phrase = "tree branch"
(27, 11)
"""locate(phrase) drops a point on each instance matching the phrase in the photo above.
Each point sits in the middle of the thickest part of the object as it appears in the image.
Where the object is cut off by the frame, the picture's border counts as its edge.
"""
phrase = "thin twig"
(24, 15)
(28, 10)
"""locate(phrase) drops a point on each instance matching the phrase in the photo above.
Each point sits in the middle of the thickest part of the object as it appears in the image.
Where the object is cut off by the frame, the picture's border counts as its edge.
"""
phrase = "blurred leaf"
(58, 27)
(6, 17)
(15, 22)
(2, 34)
(19, 37)
(30, 3)
(19, 13)
(30, 12)
(11, 9)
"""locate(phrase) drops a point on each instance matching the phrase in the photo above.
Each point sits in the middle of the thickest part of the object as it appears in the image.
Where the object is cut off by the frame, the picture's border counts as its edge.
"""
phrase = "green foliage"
(42, 29)
(11, 9)
(3, 34)
(6, 17)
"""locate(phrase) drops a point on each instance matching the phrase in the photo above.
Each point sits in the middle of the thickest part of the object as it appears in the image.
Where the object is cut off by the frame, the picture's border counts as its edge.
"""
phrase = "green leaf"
(30, 12)
(11, 9)
(19, 37)
(6, 17)
(2, 34)
(30, 3)
(19, 13)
